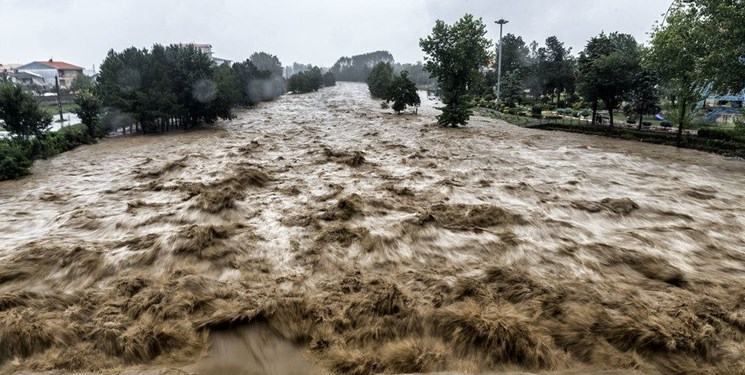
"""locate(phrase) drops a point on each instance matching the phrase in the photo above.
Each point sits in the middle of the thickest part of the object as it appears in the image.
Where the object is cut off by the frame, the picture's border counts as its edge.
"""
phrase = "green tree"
(644, 96)
(380, 80)
(268, 62)
(402, 92)
(329, 79)
(82, 82)
(607, 70)
(305, 82)
(88, 110)
(21, 113)
(455, 56)
(724, 25)
(512, 89)
(677, 51)
(515, 54)
(357, 68)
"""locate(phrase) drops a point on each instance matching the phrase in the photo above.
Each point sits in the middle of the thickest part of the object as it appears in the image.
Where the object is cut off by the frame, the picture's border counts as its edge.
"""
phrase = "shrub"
(646, 123)
(384, 105)
(586, 113)
(722, 134)
(576, 114)
(15, 159)
(666, 124)
(536, 110)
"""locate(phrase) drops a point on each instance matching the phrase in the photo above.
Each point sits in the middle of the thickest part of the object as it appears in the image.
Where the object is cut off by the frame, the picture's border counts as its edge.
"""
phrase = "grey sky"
(317, 32)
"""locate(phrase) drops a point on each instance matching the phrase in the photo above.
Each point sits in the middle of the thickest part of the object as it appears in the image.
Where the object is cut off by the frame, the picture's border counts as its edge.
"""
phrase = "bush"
(15, 159)
(384, 105)
(536, 110)
(576, 114)
(722, 134)
(329, 79)
(631, 120)
(646, 123)
(586, 113)
(553, 117)
(666, 124)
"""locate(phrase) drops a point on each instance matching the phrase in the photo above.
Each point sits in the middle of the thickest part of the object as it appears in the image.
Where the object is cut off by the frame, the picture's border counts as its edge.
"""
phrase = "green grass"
(54, 110)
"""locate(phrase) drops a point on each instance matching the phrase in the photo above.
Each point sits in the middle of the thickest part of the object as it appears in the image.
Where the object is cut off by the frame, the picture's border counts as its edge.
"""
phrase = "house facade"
(8, 68)
(207, 50)
(49, 70)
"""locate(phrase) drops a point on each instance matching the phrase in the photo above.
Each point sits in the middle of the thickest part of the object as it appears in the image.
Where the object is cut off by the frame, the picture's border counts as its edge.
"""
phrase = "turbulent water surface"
(322, 234)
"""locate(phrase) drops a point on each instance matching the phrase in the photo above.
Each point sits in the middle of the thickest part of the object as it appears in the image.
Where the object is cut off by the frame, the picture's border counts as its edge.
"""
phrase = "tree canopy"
(357, 68)
(402, 92)
(21, 113)
(607, 69)
(180, 83)
(305, 82)
(268, 62)
(455, 56)
(380, 79)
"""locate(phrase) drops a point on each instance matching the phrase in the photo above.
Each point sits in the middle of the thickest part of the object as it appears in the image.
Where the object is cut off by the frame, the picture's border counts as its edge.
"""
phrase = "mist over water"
(321, 233)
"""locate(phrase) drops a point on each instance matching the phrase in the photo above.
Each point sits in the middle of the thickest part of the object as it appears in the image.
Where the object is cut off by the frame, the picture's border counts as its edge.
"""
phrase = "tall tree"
(455, 56)
(607, 69)
(644, 95)
(88, 110)
(380, 79)
(723, 25)
(329, 79)
(515, 54)
(402, 92)
(357, 68)
(269, 62)
(677, 51)
(21, 113)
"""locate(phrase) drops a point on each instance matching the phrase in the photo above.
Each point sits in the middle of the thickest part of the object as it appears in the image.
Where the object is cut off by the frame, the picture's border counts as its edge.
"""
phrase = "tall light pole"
(501, 23)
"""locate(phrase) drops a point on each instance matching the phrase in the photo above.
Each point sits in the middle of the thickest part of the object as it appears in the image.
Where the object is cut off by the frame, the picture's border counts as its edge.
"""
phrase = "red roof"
(60, 65)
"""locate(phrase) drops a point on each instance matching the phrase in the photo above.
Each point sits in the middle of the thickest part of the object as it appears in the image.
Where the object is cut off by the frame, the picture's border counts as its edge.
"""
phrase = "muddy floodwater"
(321, 234)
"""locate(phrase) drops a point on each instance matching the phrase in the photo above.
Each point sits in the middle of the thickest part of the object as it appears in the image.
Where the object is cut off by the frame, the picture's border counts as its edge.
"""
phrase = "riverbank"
(321, 232)
(726, 142)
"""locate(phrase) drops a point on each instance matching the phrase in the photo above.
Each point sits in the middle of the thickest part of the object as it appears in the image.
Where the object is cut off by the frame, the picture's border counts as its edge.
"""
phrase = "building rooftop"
(59, 65)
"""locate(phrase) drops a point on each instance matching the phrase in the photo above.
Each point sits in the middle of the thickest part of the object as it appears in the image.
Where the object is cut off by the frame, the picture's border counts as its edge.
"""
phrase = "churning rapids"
(322, 234)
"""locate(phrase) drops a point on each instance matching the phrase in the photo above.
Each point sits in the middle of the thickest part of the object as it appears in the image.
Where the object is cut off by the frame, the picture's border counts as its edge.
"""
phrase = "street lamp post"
(501, 23)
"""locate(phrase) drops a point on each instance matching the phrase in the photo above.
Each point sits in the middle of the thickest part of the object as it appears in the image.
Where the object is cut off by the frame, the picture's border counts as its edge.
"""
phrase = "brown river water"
(321, 234)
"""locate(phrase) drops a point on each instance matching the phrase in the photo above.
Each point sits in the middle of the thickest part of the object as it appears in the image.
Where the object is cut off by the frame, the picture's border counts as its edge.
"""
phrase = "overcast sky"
(307, 31)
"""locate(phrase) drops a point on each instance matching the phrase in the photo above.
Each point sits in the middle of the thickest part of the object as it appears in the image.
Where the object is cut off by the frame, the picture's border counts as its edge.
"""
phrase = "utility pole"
(59, 102)
(501, 23)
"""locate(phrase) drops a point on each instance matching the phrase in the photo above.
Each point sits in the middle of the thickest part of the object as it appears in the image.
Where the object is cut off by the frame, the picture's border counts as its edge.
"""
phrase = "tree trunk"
(594, 112)
(641, 119)
(681, 121)
(610, 113)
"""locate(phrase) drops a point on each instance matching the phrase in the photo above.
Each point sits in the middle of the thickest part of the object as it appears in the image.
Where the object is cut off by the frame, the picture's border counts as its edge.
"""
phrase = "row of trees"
(28, 126)
(358, 68)
(310, 80)
(399, 89)
(699, 45)
(178, 85)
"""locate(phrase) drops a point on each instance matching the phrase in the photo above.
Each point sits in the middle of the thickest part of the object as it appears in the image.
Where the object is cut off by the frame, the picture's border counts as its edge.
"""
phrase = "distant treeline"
(310, 80)
(358, 68)
(179, 86)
